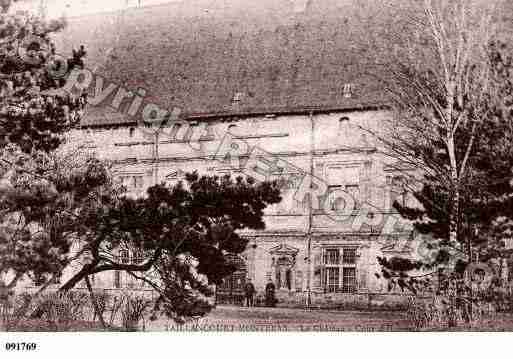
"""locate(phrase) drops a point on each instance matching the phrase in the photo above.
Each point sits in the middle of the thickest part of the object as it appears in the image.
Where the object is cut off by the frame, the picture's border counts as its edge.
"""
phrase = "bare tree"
(433, 59)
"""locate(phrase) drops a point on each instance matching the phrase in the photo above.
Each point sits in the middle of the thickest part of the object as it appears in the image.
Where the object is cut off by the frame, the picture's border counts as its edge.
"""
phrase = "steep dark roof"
(281, 55)
(286, 55)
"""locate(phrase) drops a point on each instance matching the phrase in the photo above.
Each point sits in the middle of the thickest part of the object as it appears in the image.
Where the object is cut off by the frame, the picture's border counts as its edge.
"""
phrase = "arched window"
(232, 129)
(343, 128)
(343, 119)
(131, 132)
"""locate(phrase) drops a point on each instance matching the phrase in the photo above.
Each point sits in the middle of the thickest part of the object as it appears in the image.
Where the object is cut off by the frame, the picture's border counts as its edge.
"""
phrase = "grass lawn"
(226, 318)
(231, 318)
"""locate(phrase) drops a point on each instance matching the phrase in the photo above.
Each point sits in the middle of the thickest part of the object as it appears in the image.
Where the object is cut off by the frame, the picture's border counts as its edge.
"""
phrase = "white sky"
(56, 8)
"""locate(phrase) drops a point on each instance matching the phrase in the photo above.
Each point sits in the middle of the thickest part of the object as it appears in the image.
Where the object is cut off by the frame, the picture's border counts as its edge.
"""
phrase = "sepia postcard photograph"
(170, 167)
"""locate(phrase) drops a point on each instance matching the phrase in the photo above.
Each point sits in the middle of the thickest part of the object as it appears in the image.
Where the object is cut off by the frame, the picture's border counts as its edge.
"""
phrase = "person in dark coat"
(249, 290)
(270, 299)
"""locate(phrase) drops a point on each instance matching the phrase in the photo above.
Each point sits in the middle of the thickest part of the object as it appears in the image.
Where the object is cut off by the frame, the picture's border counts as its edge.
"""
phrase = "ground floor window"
(332, 279)
(349, 280)
(339, 270)
(340, 279)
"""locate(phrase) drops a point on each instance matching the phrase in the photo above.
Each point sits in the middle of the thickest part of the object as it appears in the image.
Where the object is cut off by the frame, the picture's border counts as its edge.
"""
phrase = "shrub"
(61, 308)
(133, 310)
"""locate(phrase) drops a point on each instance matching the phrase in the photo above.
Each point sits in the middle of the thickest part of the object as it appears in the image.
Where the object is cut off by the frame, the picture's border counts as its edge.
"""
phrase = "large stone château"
(282, 77)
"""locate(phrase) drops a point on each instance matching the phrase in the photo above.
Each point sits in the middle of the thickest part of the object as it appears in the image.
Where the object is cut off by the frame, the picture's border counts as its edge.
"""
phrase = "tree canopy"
(448, 77)
(179, 237)
(41, 189)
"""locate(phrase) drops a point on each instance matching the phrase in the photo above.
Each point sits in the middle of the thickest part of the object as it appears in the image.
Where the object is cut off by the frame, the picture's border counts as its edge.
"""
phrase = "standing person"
(249, 290)
(270, 288)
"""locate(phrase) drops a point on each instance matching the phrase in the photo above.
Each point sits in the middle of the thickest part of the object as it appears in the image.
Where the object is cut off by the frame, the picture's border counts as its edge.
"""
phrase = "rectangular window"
(132, 182)
(331, 256)
(349, 280)
(138, 182)
(332, 279)
(349, 256)
(339, 270)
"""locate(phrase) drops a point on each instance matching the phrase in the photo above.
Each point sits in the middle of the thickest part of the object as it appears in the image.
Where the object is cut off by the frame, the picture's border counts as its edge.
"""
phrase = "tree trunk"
(73, 281)
(455, 206)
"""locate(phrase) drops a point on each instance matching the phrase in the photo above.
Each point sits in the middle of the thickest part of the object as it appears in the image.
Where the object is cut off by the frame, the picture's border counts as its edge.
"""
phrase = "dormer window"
(343, 121)
(347, 90)
(232, 129)
(237, 97)
(343, 127)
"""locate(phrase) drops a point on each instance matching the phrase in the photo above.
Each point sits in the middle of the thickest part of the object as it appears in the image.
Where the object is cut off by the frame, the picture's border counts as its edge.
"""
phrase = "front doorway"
(231, 290)
(283, 273)
(283, 265)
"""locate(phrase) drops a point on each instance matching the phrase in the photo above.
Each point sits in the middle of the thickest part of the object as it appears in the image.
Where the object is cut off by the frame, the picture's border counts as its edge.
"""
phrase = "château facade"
(281, 82)
(336, 249)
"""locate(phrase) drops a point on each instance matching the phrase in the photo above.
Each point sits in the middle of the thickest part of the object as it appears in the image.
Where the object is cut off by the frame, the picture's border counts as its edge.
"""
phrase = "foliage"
(485, 191)
(40, 190)
(449, 88)
(61, 207)
(178, 237)
(62, 307)
(133, 311)
(33, 115)
(71, 310)
(448, 80)
(45, 199)
(102, 302)
(454, 303)
(57, 308)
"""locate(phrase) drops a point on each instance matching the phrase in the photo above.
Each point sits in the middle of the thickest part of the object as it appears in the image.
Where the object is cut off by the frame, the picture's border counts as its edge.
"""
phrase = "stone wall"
(344, 157)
